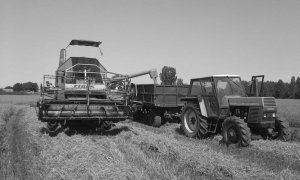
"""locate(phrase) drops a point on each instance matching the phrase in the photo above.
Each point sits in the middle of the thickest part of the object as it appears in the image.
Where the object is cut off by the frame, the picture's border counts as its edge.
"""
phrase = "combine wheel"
(192, 123)
(69, 131)
(106, 125)
(282, 129)
(54, 132)
(52, 125)
(235, 131)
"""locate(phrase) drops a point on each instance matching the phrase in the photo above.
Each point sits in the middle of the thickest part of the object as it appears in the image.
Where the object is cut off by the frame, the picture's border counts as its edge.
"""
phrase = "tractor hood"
(252, 101)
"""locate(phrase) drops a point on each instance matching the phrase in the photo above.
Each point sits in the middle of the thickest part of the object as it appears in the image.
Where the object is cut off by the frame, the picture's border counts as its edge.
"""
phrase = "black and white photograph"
(149, 89)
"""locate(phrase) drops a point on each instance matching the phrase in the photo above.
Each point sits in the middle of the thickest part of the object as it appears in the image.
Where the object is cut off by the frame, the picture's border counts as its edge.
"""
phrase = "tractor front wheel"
(235, 131)
(192, 123)
(282, 129)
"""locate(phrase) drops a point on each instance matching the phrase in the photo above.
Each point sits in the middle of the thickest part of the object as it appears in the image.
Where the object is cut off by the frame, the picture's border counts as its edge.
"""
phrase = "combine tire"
(54, 131)
(283, 129)
(235, 131)
(52, 126)
(107, 125)
(192, 123)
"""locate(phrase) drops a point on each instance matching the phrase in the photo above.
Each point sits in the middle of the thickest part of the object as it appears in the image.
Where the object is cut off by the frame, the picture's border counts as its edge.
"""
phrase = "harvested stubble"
(143, 152)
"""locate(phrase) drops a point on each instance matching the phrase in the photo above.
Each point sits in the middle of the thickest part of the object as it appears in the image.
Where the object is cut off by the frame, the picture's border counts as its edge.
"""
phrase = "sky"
(197, 37)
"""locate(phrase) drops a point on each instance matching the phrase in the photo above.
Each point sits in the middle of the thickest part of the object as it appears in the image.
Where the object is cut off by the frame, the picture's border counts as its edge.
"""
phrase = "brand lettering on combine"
(80, 86)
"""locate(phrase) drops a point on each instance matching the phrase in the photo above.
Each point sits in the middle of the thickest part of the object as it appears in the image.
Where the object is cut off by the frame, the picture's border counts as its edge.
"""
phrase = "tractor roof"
(85, 43)
(226, 75)
(221, 75)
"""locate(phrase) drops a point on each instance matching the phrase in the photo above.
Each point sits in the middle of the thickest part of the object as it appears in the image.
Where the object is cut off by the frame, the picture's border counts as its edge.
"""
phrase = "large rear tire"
(283, 129)
(235, 131)
(191, 122)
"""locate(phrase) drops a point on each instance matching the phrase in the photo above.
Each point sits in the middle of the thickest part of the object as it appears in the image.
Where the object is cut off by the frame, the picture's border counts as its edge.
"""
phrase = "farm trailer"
(155, 104)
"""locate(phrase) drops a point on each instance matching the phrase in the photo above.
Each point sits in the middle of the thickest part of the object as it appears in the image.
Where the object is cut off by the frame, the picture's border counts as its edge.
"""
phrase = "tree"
(281, 90)
(30, 86)
(168, 75)
(8, 87)
(18, 87)
(179, 82)
(297, 88)
(292, 86)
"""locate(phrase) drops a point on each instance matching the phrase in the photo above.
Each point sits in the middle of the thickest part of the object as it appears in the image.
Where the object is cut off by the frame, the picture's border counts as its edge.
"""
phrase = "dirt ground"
(133, 151)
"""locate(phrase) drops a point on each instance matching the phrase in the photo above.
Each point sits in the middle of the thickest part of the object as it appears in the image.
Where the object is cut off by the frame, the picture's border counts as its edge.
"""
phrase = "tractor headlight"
(265, 115)
(274, 115)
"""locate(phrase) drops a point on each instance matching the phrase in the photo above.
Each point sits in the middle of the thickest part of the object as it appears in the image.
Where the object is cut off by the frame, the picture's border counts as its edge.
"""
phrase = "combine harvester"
(83, 92)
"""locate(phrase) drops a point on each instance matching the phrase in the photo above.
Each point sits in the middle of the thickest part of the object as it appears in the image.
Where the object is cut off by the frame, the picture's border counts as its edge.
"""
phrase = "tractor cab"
(214, 92)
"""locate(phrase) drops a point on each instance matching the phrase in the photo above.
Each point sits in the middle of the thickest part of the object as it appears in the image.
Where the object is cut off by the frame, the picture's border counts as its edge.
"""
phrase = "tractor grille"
(254, 114)
(269, 102)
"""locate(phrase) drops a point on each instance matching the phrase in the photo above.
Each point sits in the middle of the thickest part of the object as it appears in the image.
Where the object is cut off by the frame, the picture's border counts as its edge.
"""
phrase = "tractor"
(220, 104)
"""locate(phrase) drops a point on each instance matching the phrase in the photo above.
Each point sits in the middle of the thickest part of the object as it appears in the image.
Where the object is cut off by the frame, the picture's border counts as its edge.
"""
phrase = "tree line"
(279, 89)
(28, 86)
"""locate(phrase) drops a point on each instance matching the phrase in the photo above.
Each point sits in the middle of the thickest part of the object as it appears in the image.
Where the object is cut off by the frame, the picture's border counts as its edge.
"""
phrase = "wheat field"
(132, 151)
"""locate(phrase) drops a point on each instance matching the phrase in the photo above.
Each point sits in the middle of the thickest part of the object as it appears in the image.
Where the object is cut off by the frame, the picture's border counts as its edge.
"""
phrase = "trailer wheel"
(283, 129)
(156, 121)
(192, 123)
(153, 118)
(235, 131)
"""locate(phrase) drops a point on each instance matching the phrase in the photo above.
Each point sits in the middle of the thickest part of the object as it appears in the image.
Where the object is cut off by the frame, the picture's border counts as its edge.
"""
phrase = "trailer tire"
(283, 129)
(156, 121)
(235, 131)
(192, 123)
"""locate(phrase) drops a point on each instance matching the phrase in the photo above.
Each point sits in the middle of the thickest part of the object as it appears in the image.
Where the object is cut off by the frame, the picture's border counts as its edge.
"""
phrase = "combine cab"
(83, 92)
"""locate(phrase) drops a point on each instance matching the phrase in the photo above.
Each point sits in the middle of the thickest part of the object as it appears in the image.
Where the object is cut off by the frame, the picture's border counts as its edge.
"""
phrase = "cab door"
(209, 97)
(256, 88)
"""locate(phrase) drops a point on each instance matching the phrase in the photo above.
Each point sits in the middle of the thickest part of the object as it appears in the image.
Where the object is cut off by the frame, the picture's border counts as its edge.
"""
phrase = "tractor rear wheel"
(192, 123)
(235, 131)
(283, 129)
